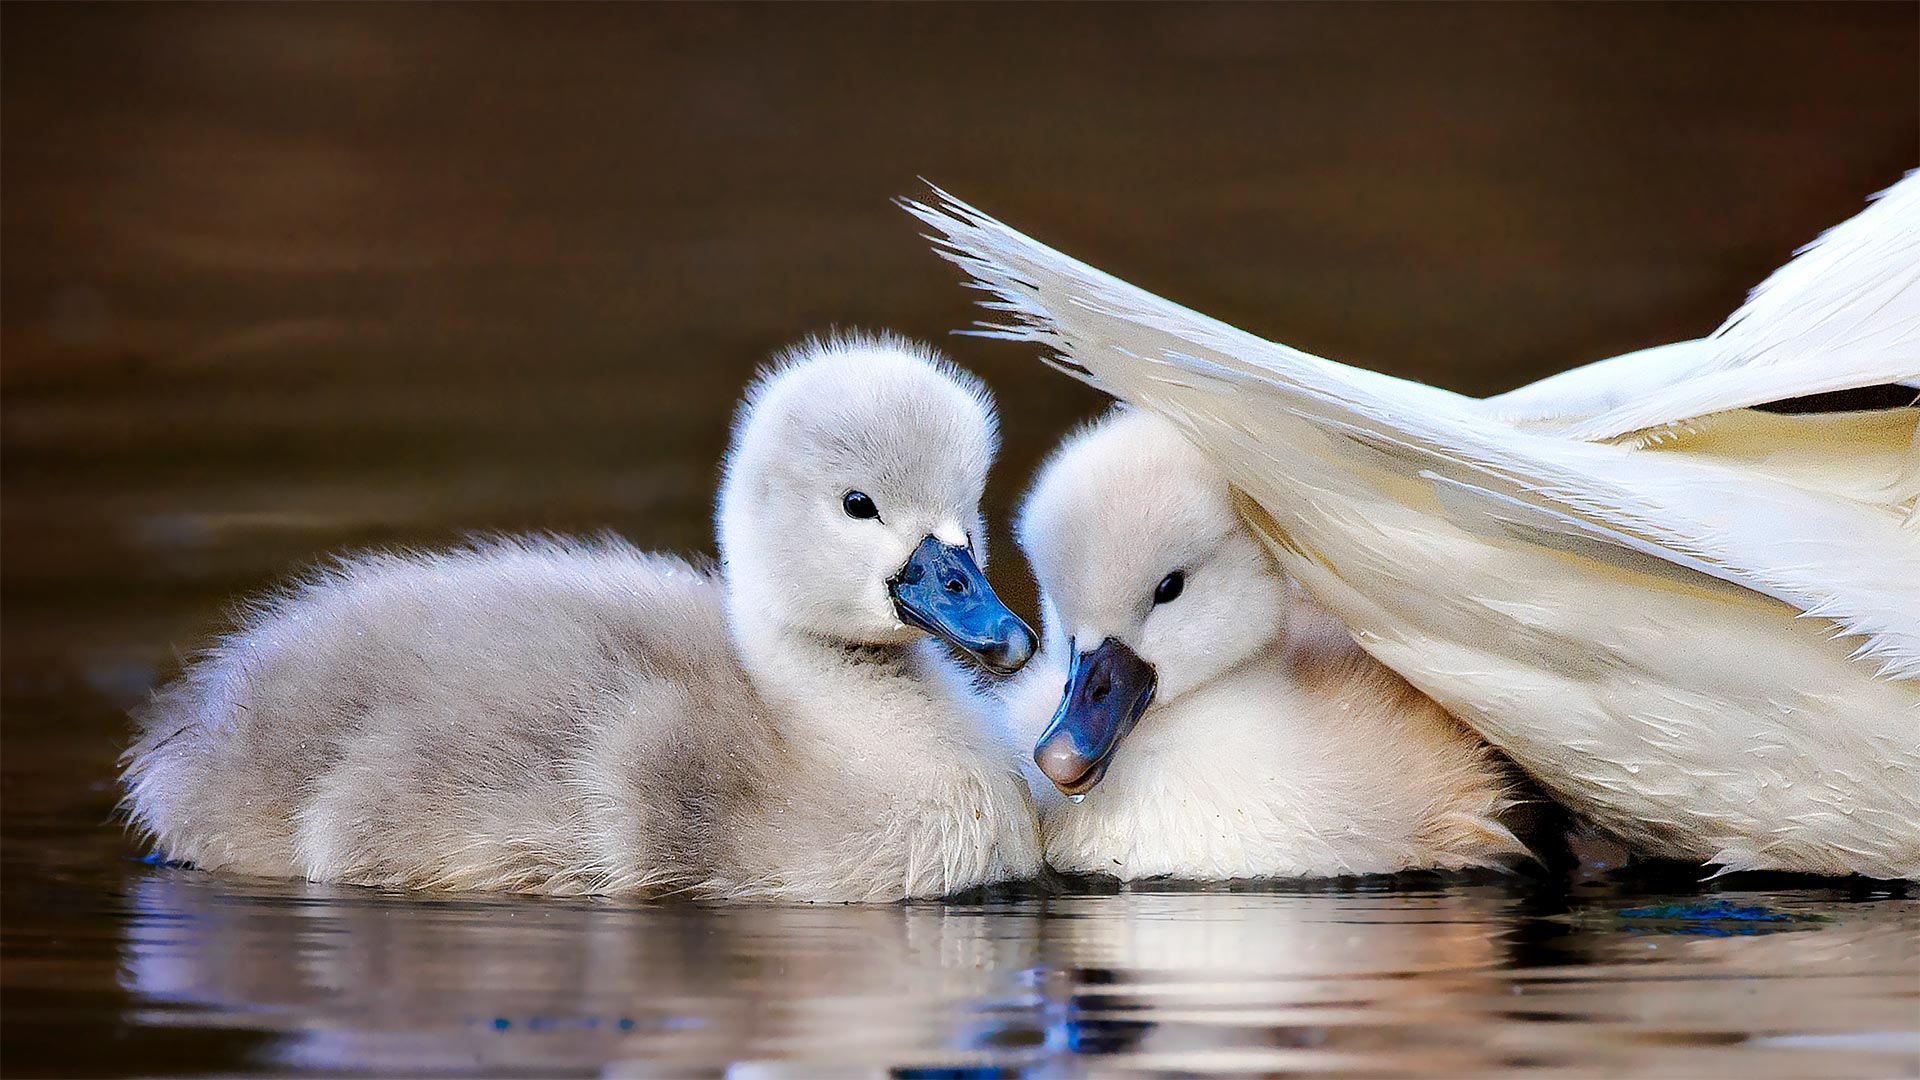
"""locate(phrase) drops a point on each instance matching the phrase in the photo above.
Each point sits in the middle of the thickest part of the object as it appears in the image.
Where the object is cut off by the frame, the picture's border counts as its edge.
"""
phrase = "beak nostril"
(955, 585)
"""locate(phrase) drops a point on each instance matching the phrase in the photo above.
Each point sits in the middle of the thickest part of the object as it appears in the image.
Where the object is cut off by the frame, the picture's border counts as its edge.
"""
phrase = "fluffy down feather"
(1274, 747)
(569, 716)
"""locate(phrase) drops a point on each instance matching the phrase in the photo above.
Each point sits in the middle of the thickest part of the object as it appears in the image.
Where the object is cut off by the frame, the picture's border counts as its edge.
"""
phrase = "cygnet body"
(584, 717)
(1215, 723)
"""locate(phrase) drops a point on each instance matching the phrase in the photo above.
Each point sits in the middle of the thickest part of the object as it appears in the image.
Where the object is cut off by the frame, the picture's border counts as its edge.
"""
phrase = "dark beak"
(943, 592)
(1107, 690)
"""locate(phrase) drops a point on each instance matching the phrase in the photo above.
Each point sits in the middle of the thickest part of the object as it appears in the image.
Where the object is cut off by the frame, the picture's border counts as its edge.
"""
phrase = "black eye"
(1169, 587)
(858, 505)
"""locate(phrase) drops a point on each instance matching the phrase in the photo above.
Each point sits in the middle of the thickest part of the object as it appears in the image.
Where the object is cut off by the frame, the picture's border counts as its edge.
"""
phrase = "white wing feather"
(1844, 313)
(1243, 398)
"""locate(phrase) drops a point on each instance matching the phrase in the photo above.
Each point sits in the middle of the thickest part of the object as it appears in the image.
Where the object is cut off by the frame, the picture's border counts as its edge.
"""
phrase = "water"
(282, 281)
(202, 974)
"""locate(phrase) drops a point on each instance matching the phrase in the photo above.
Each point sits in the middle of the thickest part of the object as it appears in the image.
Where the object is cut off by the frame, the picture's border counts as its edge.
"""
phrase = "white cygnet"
(1217, 724)
(568, 716)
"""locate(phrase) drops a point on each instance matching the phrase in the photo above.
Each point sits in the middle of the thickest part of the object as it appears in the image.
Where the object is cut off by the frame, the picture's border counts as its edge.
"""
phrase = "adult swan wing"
(1707, 648)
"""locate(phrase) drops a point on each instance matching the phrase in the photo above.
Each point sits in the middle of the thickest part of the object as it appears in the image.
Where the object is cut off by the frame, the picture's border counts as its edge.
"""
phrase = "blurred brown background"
(280, 280)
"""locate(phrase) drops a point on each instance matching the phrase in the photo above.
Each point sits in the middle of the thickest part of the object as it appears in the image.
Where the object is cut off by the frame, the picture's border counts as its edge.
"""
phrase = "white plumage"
(1272, 746)
(1704, 636)
(583, 717)
(1844, 313)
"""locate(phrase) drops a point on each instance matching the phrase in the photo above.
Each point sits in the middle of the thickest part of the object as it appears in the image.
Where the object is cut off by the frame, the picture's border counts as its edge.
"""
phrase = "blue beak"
(1107, 690)
(942, 591)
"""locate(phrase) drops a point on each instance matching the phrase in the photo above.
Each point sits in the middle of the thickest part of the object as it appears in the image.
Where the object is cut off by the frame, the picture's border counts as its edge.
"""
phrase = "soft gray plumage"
(1272, 746)
(583, 717)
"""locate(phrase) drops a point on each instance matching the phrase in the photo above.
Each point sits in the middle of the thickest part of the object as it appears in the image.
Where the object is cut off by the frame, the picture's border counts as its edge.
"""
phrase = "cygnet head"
(1148, 579)
(850, 509)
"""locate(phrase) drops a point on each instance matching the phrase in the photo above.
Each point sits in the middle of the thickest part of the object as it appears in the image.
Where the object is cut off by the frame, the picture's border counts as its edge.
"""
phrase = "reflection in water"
(1428, 981)
(350, 977)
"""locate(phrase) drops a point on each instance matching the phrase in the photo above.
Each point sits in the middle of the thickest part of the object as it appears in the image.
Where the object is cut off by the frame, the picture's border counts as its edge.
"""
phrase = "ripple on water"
(1443, 979)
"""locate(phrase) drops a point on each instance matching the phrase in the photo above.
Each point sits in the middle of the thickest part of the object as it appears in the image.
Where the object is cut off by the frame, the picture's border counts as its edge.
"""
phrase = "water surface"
(164, 970)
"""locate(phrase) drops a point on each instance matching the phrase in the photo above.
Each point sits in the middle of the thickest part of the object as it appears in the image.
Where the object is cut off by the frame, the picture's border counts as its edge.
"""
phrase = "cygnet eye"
(857, 504)
(1169, 587)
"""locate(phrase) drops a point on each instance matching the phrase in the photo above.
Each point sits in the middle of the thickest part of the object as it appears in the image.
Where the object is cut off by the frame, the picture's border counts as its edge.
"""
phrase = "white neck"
(856, 700)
